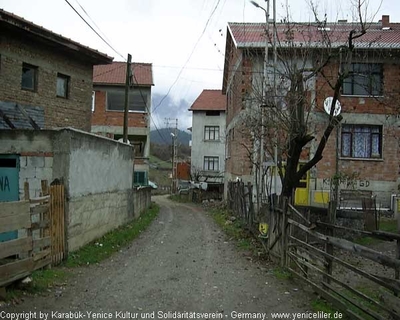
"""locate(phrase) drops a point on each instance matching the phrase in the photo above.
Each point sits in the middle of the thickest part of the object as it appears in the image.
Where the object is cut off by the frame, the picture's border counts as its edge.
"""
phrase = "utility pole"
(174, 135)
(126, 107)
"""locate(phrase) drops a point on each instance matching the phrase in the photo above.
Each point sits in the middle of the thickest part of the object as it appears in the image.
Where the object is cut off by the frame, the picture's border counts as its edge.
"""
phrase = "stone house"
(208, 136)
(368, 137)
(108, 109)
(44, 76)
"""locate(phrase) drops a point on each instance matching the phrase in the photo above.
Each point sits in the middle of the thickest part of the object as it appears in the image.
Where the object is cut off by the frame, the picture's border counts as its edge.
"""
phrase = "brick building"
(47, 75)
(108, 109)
(368, 137)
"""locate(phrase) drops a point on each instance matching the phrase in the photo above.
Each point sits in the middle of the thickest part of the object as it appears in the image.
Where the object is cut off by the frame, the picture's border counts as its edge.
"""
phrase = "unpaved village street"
(182, 262)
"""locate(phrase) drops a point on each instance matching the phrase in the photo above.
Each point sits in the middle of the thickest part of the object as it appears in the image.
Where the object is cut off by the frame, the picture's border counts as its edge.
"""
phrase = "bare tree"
(284, 124)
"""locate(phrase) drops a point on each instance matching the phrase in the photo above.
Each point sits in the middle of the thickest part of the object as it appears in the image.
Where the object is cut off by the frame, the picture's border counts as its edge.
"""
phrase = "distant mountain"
(163, 136)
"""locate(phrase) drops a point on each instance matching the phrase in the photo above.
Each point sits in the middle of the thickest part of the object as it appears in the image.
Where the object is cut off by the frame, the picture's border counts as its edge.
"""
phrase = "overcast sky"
(170, 34)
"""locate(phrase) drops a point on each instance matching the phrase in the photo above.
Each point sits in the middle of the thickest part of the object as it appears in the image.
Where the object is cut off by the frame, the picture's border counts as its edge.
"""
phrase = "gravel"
(182, 262)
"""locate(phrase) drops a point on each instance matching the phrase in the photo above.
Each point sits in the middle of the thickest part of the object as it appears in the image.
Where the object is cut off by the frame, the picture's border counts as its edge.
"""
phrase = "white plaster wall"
(201, 148)
(99, 169)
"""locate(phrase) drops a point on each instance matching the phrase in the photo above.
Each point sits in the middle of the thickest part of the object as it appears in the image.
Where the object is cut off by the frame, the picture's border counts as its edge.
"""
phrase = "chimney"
(385, 21)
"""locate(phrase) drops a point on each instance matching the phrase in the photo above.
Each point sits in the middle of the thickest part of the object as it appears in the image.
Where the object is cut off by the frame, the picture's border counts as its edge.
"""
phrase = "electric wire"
(190, 56)
(88, 24)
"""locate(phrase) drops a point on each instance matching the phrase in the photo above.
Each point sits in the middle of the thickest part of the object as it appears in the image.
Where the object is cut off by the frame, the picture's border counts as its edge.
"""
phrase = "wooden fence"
(240, 203)
(361, 282)
(41, 235)
(340, 270)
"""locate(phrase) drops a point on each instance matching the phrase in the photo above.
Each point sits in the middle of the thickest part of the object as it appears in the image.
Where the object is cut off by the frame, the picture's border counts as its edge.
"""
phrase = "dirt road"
(182, 262)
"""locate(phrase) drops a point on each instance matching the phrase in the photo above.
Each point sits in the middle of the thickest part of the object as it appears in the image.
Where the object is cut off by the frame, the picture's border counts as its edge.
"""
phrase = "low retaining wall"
(91, 216)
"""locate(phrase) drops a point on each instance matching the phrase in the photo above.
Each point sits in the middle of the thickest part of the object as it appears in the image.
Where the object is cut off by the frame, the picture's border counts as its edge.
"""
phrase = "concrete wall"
(35, 149)
(74, 111)
(97, 173)
(201, 147)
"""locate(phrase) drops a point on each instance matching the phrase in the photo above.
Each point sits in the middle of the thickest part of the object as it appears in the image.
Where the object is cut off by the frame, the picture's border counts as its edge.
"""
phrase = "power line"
(88, 24)
(190, 56)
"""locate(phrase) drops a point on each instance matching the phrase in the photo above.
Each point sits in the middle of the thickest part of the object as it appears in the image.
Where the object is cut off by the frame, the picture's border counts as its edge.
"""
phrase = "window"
(29, 77)
(140, 178)
(62, 85)
(364, 79)
(212, 113)
(211, 163)
(361, 141)
(116, 101)
(211, 133)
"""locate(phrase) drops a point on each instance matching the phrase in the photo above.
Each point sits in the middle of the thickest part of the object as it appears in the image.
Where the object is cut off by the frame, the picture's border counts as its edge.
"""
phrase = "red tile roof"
(380, 35)
(209, 100)
(115, 74)
(12, 22)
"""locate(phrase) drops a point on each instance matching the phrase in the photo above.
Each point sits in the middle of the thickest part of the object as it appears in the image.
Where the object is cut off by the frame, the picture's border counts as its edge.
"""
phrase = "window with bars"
(211, 133)
(364, 79)
(140, 178)
(211, 163)
(361, 141)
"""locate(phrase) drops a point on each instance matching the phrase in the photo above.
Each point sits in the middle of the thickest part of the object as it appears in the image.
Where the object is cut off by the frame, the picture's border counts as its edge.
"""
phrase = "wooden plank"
(40, 225)
(15, 278)
(41, 243)
(352, 247)
(41, 254)
(26, 190)
(391, 286)
(388, 236)
(13, 247)
(300, 215)
(393, 312)
(328, 296)
(40, 208)
(16, 222)
(13, 208)
(10, 270)
(355, 303)
(42, 263)
(39, 199)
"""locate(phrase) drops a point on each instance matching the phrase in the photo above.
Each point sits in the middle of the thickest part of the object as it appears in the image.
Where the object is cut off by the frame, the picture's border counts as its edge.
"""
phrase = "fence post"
(284, 242)
(397, 271)
(251, 207)
(330, 232)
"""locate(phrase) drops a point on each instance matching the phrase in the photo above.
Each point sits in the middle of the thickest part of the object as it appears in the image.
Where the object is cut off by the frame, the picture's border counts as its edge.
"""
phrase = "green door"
(9, 186)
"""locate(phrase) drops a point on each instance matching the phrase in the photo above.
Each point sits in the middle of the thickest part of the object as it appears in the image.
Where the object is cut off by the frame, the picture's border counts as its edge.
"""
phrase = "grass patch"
(179, 198)
(322, 305)
(282, 274)
(112, 241)
(91, 253)
(367, 241)
(388, 226)
(41, 281)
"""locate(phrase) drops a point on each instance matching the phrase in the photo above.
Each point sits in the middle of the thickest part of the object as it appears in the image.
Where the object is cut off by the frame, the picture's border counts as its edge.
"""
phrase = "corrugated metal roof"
(209, 100)
(253, 35)
(115, 74)
(12, 113)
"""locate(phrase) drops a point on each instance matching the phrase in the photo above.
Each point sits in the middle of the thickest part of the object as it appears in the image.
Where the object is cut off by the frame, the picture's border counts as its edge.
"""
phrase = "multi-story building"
(365, 147)
(108, 109)
(208, 136)
(44, 76)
